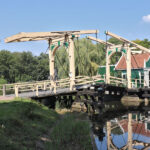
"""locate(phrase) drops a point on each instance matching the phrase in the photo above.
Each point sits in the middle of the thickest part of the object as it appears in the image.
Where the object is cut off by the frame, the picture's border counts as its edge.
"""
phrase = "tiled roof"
(138, 128)
(137, 61)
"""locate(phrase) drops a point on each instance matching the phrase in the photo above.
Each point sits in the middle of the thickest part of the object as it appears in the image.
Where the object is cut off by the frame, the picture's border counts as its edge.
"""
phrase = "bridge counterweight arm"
(127, 41)
(100, 41)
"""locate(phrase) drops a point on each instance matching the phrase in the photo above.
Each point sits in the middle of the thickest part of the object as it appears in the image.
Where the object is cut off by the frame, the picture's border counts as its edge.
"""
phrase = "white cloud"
(146, 18)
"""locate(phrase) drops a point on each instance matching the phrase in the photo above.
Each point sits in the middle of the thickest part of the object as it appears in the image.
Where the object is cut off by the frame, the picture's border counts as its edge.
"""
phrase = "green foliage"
(24, 66)
(22, 122)
(2, 81)
(145, 42)
(114, 41)
(70, 133)
(16, 67)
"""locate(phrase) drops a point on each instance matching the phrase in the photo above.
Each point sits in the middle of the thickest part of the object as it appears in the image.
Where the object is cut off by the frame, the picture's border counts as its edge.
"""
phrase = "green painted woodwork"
(58, 43)
(124, 51)
(148, 64)
(52, 47)
(148, 126)
(116, 49)
(117, 73)
(109, 52)
(134, 73)
(102, 70)
(73, 36)
(66, 44)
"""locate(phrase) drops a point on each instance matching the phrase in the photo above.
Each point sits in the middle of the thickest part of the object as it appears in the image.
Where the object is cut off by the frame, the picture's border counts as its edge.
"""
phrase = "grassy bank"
(27, 125)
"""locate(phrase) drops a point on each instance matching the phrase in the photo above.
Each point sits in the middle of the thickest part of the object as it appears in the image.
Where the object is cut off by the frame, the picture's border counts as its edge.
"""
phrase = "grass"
(23, 123)
(71, 133)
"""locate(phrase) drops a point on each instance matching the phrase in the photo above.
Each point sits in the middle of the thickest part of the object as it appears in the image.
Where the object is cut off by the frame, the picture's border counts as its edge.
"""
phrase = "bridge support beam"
(52, 69)
(108, 125)
(128, 62)
(107, 68)
(72, 64)
(130, 131)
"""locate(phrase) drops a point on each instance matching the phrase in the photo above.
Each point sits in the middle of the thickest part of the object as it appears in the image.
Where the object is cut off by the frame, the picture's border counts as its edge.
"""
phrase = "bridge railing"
(62, 83)
(135, 83)
(118, 81)
(24, 87)
(36, 86)
(138, 83)
(88, 80)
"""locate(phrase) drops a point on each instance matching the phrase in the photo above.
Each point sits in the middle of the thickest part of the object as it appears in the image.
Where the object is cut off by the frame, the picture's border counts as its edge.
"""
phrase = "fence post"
(4, 90)
(136, 83)
(37, 90)
(16, 90)
(44, 86)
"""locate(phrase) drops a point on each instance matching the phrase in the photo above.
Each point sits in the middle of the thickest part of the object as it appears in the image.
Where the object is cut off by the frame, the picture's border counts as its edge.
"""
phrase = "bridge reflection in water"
(121, 127)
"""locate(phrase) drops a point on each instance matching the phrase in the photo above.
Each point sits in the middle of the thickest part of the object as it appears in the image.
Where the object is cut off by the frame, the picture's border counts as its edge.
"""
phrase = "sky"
(127, 18)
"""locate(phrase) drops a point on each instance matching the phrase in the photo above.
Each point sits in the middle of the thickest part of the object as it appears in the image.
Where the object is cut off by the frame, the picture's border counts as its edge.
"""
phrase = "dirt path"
(7, 97)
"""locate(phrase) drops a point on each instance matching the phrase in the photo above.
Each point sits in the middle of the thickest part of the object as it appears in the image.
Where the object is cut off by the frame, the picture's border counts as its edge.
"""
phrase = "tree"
(145, 42)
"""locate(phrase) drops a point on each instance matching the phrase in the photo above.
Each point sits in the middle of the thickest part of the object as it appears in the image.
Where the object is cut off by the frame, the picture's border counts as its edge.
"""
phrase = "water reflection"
(120, 126)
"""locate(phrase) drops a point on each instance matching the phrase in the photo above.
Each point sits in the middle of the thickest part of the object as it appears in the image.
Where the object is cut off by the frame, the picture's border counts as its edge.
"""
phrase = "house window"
(147, 125)
(124, 75)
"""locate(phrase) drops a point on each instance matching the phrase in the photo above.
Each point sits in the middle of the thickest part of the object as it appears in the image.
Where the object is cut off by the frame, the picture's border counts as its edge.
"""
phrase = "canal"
(122, 126)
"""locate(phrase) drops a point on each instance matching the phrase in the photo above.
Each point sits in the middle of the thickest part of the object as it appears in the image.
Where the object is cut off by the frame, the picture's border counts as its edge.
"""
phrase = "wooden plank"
(100, 41)
(127, 41)
(34, 36)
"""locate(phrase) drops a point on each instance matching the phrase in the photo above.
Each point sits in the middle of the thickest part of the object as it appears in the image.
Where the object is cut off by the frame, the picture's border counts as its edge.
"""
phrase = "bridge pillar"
(72, 64)
(130, 131)
(108, 125)
(128, 62)
(107, 68)
(51, 69)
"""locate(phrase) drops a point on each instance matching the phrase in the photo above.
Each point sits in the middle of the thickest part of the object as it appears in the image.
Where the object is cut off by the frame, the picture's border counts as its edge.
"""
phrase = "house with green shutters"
(140, 65)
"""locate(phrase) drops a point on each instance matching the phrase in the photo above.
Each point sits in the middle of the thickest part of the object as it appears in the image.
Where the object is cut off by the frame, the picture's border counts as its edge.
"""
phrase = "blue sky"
(123, 17)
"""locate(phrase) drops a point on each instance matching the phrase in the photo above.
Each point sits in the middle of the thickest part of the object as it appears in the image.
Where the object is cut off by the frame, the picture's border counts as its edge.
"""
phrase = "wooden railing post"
(16, 90)
(44, 88)
(136, 83)
(4, 90)
(107, 67)
(37, 90)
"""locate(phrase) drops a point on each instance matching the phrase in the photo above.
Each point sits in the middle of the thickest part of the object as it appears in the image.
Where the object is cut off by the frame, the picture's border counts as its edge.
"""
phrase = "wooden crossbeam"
(100, 41)
(127, 41)
(35, 36)
(63, 39)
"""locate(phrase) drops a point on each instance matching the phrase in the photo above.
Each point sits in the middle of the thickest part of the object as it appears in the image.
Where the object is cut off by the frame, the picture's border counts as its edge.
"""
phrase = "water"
(122, 126)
